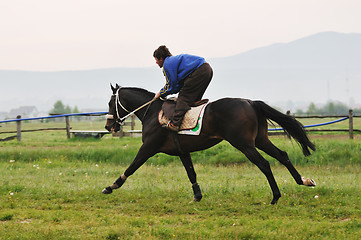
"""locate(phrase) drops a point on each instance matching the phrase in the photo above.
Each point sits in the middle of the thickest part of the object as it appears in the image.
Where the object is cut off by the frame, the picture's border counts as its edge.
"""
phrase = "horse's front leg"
(188, 165)
(145, 152)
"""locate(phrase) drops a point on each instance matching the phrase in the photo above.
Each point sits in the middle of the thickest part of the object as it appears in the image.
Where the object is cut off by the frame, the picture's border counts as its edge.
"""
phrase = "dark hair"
(162, 52)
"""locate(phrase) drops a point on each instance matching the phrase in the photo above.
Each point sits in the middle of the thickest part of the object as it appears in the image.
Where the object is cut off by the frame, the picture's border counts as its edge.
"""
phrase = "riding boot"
(180, 110)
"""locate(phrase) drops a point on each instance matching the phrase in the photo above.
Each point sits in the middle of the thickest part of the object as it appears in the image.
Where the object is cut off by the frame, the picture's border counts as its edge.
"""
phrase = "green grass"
(122, 151)
(62, 200)
(51, 189)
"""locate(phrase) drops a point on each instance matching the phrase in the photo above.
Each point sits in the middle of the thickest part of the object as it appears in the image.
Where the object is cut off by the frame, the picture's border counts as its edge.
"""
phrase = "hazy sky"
(50, 35)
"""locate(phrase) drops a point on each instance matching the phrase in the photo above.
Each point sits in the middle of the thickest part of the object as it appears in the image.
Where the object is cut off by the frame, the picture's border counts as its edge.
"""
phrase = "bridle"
(117, 102)
(120, 120)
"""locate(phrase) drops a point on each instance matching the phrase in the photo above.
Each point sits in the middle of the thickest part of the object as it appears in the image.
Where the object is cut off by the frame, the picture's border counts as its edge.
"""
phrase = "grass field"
(51, 189)
(62, 200)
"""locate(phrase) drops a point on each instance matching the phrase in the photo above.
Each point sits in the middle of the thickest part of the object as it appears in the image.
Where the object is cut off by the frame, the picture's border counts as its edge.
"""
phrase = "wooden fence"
(133, 132)
(70, 131)
(350, 117)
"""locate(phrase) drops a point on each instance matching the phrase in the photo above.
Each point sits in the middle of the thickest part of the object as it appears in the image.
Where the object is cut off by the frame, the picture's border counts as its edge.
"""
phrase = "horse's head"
(116, 111)
(124, 98)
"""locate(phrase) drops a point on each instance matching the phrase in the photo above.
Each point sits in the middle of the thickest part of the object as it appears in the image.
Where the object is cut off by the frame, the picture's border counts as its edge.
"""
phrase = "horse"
(241, 122)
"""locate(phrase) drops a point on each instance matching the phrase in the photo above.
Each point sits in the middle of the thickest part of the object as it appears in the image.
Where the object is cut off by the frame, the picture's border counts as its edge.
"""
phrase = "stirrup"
(170, 126)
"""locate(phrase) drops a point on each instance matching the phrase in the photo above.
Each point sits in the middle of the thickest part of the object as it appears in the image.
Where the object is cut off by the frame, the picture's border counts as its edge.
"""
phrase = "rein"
(117, 101)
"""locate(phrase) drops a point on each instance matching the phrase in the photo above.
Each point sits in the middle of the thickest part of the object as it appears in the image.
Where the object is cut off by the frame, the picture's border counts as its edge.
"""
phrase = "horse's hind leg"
(255, 157)
(188, 165)
(267, 146)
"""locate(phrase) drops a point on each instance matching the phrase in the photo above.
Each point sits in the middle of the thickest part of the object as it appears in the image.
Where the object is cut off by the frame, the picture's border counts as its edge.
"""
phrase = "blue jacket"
(176, 69)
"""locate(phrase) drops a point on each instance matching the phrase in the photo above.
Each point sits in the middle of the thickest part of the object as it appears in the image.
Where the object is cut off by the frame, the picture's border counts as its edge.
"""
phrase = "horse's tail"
(289, 124)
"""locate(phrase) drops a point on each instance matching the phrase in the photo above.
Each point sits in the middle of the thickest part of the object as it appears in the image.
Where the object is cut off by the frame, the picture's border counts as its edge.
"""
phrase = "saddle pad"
(192, 120)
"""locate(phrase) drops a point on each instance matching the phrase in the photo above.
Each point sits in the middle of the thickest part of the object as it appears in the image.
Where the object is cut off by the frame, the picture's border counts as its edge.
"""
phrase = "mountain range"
(317, 68)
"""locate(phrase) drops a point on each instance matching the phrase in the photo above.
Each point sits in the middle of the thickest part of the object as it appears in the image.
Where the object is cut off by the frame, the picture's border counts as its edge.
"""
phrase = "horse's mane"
(140, 90)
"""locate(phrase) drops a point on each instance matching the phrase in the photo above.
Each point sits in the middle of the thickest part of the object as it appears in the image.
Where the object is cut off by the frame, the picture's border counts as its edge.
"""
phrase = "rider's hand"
(157, 95)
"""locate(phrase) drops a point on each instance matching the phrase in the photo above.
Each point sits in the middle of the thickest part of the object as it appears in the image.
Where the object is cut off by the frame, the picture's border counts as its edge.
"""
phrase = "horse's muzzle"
(108, 128)
(109, 124)
(113, 124)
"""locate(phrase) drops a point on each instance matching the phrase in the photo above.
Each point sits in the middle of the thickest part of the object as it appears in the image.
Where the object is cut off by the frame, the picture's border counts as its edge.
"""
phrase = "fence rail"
(68, 128)
(350, 129)
(36, 130)
(133, 132)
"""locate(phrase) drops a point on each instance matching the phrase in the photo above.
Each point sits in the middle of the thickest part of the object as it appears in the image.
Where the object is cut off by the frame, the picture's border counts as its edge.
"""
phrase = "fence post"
(121, 132)
(67, 124)
(350, 122)
(18, 128)
(132, 124)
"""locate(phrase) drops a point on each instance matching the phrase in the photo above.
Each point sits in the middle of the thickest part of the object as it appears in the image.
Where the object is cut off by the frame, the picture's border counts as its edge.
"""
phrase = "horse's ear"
(117, 86)
(113, 88)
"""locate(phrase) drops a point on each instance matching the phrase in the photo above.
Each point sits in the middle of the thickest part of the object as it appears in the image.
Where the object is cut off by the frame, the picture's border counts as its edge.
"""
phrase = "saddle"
(190, 118)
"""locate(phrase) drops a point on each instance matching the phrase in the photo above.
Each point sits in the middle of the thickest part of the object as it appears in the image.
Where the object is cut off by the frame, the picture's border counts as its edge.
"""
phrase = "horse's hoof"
(197, 199)
(107, 190)
(197, 192)
(309, 182)
(275, 200)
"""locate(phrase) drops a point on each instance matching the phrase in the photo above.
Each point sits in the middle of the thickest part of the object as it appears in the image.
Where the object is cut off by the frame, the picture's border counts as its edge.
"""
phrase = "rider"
(185, 74)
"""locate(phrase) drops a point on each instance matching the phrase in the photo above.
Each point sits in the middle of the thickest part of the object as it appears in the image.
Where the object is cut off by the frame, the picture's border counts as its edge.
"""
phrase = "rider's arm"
(171, 86)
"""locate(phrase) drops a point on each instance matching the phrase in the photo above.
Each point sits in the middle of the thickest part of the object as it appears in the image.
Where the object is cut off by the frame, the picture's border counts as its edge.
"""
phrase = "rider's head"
(160, 54)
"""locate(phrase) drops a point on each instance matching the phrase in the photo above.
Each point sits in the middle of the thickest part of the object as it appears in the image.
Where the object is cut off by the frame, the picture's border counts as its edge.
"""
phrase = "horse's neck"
(136, 99)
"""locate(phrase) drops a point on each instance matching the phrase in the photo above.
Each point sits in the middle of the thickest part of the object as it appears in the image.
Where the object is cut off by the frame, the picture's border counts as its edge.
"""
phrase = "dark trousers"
(192, 91)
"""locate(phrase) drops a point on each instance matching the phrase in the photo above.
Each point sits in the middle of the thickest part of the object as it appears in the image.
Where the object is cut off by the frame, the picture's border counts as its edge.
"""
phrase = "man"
(185, 74)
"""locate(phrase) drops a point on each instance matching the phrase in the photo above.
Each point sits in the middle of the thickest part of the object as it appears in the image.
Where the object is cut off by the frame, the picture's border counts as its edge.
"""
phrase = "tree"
(59, 108)
(67, 109)
(335, 108)
(311, 109)
(299, 112)
(76, 110)
(330, 108)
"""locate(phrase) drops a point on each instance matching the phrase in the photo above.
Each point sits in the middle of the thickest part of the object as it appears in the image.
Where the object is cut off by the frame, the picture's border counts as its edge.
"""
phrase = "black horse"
(241, 122)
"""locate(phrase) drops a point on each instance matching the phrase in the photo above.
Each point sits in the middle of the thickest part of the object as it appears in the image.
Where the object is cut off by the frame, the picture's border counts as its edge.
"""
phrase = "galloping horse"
(241, 122)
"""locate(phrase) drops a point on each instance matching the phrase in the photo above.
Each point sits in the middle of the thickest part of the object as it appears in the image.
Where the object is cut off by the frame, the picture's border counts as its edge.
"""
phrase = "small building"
(24, 112)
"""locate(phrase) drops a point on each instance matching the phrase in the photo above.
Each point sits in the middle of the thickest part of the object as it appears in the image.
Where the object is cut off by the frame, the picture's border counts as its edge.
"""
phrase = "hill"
(88, 89)
(325, 66)
(318, 68)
